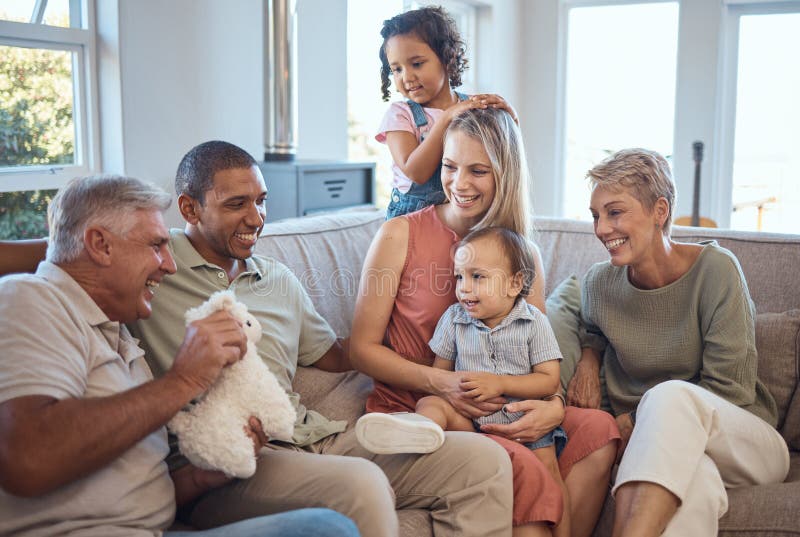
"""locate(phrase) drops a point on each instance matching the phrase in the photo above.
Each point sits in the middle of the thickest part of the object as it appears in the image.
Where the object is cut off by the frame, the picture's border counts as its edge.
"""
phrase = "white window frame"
(81, 42)
(560, 154)
(726, 115)
(705, 99)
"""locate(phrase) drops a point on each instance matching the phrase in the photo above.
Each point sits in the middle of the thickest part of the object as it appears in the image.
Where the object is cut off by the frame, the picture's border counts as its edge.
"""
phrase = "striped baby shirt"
(521, 340)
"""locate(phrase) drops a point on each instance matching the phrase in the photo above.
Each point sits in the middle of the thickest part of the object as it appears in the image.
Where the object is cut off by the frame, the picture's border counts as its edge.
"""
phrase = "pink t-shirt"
(399, 118)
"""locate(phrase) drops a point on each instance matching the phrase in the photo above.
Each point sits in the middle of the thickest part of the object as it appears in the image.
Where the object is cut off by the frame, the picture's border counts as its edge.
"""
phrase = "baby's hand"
(481, 386)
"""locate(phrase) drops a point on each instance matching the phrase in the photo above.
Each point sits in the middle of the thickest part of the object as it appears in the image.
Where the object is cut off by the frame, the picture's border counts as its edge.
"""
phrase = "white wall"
(540, 104)
(178, 73)
(499, 49)
(322, 92)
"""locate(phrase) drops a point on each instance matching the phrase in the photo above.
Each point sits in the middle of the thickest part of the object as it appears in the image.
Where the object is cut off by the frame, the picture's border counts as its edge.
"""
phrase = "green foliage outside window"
(23, 215)
(36, 125)
(36, 128)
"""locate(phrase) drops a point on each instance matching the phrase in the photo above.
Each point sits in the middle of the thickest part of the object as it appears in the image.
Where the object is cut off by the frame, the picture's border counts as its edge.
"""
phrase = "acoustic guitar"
(696, 220)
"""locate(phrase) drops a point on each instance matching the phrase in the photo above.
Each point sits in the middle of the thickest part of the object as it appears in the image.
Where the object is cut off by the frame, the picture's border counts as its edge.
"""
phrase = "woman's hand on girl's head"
(540, 418)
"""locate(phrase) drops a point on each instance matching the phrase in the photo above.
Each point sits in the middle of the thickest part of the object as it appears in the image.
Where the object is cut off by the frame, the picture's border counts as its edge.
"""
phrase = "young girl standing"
(423, 53)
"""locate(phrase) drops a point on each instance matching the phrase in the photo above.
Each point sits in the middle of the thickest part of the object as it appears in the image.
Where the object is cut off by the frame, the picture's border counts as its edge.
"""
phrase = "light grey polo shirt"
(293, 332)
(58, 343)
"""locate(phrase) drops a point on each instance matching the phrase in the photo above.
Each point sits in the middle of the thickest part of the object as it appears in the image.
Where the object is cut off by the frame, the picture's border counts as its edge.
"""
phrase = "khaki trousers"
(696, 444)
(466, 485)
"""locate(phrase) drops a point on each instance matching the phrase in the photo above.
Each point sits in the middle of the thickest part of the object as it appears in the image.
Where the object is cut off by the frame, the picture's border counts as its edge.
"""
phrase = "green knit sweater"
(700, 328)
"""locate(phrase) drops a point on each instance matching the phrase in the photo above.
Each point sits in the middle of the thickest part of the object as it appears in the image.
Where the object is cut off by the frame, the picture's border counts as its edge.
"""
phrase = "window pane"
(766, 164)
(56, 12)
(621, 65)
(36, 107)
(23, 215)
(16, 10)
(364, 105)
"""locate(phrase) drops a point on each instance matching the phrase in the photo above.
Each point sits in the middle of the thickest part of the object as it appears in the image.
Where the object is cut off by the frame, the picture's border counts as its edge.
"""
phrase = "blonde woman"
(408, 283)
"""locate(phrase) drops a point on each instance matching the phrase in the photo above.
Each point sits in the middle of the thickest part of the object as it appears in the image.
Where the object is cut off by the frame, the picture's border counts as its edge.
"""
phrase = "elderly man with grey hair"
(82, 438)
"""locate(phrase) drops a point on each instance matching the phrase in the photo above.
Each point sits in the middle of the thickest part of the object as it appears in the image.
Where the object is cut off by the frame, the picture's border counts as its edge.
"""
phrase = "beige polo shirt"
(57, 342)
(293, 332)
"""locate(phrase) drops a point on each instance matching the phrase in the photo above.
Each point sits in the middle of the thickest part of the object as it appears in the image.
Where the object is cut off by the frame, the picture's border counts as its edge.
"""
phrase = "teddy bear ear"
(221, 300)
(225, 300)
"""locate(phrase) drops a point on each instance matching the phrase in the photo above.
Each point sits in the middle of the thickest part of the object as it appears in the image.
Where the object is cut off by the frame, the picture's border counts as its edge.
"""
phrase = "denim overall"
(419, 196)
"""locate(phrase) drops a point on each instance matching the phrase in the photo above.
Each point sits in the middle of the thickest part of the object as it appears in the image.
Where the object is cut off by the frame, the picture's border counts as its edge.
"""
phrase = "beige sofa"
(327, 252)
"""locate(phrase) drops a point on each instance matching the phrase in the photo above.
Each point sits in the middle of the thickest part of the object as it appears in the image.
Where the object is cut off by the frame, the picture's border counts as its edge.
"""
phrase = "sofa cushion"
(326, 253)
(563, 311)
(765, 510)
(778, 344)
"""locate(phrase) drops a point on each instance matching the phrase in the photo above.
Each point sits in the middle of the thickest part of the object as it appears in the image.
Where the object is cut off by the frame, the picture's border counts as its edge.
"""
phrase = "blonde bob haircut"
(643, 172)
(500, 137)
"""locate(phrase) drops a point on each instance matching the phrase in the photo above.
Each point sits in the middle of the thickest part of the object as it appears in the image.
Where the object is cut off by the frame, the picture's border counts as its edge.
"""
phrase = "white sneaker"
(402, 432)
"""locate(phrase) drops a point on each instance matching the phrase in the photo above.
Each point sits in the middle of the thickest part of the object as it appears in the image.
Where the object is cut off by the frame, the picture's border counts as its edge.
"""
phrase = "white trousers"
(696, 444)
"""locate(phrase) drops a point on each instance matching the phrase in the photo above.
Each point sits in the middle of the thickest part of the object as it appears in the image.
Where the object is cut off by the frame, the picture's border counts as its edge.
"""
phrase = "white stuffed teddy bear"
(211, 434)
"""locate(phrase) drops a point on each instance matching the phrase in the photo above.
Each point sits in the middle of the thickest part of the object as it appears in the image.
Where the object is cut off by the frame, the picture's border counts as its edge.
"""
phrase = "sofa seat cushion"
(763, 511)
(766, 510)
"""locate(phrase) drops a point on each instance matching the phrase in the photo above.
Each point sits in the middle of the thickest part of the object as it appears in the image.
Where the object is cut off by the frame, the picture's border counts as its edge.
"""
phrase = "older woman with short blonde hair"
(674, 326)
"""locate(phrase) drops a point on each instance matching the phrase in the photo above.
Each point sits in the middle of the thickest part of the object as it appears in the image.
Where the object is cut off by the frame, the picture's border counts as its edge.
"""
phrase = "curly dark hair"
(438, 30)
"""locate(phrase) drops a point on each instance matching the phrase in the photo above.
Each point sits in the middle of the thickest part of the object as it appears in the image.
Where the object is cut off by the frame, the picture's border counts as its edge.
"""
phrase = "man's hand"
(256, 434)
(481, 386)
(205, 480)
(209, 345)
